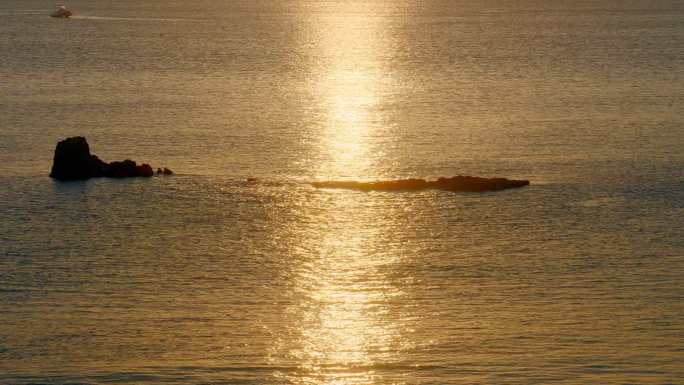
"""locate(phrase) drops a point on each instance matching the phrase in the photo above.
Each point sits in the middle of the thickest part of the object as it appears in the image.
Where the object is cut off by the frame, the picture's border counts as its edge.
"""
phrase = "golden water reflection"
(341, 329)
(347, 80)
(343, 296)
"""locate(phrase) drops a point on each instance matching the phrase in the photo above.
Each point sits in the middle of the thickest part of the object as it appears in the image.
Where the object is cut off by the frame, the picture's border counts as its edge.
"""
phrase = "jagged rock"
(73, 161)
(124, 169)
(127, 169)
(145, 170)
(456, 184)
(164, 171)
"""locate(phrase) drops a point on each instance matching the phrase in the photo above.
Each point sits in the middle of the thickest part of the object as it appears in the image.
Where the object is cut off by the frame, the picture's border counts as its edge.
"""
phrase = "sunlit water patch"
(237, 270)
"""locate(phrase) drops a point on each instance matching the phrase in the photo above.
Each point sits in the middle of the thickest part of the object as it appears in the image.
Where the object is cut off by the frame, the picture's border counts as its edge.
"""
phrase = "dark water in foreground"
(205, 278)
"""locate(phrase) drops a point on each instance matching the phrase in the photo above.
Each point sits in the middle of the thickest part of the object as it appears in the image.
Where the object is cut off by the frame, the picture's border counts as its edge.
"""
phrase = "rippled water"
(206, 278)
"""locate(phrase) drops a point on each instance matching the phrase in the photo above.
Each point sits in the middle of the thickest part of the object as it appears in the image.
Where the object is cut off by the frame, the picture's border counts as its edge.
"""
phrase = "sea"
(236, 270)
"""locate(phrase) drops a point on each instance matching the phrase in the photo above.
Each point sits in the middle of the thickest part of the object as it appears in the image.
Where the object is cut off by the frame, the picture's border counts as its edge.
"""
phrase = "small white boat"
(61, 12)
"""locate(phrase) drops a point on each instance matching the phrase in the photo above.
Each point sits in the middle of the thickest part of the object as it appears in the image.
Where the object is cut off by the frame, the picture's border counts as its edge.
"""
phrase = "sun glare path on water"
(344, 292)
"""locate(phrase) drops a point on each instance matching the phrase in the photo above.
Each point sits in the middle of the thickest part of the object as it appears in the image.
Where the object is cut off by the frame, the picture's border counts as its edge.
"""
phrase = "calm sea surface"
(206, 278)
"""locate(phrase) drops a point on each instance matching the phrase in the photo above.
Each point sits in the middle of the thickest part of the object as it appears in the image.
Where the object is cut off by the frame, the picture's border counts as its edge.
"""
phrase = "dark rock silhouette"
(164, 171)
(73, 161)
(127, 169)
(456, 184)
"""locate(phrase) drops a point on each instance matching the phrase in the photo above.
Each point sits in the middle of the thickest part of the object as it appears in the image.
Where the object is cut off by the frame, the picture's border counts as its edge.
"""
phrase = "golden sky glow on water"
(244, 268)
(347, 90)
(343, 296)
(341, 329)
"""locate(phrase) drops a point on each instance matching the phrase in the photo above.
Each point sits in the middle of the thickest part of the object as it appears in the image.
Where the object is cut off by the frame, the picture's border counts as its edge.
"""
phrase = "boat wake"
(22, 12)
(114, 18)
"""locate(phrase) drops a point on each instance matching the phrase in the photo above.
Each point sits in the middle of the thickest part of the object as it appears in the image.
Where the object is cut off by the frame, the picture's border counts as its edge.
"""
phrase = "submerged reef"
(455, 184)
(73, 161)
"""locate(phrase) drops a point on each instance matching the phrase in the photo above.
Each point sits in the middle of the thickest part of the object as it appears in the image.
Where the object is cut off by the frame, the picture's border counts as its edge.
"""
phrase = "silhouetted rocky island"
(73, 161)
(456, 184)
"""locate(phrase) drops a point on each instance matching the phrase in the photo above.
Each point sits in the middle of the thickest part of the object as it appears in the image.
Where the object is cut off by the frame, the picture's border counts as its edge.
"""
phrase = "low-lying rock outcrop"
(456, 184)
(73, 161)
(164, 171)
